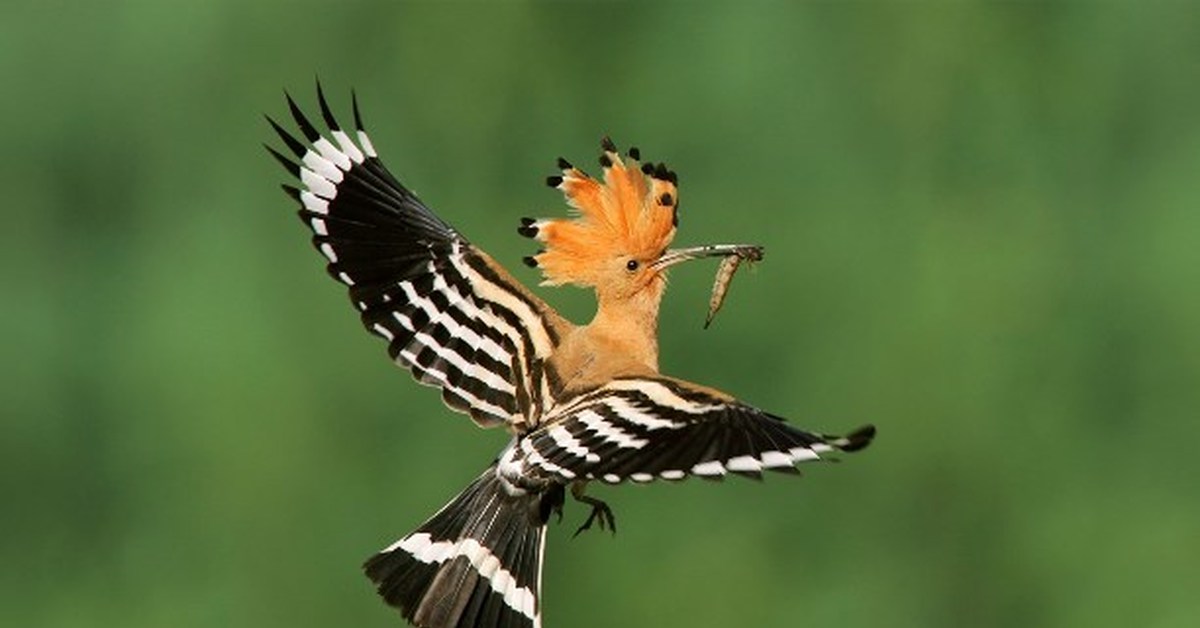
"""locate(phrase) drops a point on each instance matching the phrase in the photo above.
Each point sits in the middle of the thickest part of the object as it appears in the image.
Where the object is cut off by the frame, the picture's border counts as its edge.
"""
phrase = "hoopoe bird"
(582, 402)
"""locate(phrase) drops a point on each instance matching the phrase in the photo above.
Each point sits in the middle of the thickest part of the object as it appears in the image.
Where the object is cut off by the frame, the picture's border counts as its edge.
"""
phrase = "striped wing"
(646, 428)
(449, 313)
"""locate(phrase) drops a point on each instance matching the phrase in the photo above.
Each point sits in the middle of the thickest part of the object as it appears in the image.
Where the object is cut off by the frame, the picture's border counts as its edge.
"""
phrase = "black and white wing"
(449, 313)
(647, 428)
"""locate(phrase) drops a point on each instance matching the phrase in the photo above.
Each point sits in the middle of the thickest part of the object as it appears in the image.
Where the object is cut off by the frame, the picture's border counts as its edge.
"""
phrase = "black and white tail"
(477, 562)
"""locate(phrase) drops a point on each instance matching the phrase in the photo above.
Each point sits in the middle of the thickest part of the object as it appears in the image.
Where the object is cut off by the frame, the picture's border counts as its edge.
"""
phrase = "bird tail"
(477, 562)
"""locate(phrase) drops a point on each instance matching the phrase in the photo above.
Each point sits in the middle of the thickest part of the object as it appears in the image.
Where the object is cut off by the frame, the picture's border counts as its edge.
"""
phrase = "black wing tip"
(358, 124)
(310, 132)
(857, 440)
(289, 165)
(326, 114)
(293, 144)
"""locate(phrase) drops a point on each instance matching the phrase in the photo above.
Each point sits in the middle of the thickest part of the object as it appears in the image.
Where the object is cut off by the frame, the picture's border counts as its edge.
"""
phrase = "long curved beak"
(752, 252)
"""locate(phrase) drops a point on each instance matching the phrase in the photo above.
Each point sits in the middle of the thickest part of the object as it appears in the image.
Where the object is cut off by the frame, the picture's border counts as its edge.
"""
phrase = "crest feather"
(630, 214)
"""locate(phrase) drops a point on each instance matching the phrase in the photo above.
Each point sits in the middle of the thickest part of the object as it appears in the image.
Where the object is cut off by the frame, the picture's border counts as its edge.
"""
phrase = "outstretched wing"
(449, 313)
(646, 428)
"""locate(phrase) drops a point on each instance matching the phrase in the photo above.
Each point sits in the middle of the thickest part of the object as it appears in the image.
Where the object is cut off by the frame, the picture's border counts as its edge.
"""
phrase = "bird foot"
(601, 514)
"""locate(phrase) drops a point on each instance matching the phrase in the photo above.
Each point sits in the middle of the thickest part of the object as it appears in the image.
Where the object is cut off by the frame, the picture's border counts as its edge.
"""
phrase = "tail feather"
(477, 562)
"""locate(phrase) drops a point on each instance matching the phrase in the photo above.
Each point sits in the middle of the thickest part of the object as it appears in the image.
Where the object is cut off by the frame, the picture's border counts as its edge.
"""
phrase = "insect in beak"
(671, 257)
(732, 254)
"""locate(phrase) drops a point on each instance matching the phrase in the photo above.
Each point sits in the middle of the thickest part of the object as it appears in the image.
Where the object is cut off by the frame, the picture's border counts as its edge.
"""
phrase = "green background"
(982, 233)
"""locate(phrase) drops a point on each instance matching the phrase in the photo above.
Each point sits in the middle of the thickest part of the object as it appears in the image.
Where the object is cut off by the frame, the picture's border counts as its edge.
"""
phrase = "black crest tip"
(564, 164)
(663, 173)
(554, 181)
(605, 162)
(529, 261)
(634, 153)
(607, 144)
(527, 228)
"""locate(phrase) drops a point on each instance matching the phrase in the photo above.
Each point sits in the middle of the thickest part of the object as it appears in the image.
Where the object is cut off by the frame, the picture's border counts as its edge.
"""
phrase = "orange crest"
(631, 214)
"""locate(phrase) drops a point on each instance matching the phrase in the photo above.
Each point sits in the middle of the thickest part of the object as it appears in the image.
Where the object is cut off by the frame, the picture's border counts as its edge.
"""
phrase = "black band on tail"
(477, 562)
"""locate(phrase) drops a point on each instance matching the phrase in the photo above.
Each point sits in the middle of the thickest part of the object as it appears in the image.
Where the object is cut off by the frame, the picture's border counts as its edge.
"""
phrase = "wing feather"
(648, 428)
(450, 314)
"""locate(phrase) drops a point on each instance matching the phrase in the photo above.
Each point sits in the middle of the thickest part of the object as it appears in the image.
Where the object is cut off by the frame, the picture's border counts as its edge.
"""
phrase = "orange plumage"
(630, 214)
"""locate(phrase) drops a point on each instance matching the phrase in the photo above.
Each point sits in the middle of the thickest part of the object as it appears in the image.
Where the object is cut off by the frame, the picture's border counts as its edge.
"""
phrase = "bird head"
(617, 240)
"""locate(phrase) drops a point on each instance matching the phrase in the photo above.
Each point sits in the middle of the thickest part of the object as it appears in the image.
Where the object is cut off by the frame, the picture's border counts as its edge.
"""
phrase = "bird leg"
(601, 513)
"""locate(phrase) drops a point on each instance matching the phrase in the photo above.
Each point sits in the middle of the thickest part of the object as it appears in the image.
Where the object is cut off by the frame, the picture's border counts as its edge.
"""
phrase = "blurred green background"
(982, 230)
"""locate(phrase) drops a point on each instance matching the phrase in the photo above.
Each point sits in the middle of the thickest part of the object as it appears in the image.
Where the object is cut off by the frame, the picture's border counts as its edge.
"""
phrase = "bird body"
(583, 402)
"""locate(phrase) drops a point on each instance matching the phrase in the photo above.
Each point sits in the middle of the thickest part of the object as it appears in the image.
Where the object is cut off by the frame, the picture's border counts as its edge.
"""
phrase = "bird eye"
(631, 265)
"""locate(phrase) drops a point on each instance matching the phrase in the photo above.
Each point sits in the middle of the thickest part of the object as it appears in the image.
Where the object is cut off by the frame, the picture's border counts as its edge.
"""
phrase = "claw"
(600, 514)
